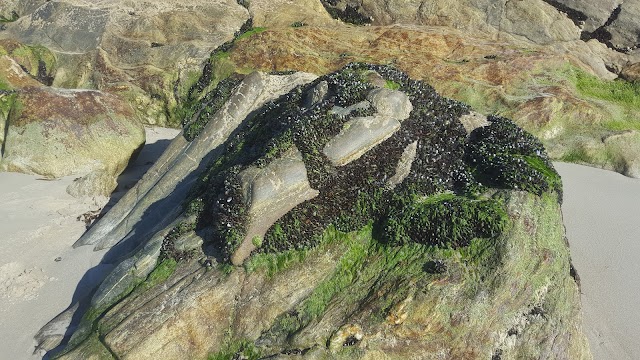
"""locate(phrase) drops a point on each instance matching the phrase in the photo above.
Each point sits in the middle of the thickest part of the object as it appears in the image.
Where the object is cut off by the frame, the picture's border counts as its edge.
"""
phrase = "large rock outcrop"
(432, 234)
(553, 91)
(611, 21)
(60, 132)
(542, 22)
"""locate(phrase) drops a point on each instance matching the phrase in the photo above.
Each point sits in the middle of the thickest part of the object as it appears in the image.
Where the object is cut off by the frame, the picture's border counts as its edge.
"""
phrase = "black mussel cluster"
(506, 156)
(351, 196)
(450, 221)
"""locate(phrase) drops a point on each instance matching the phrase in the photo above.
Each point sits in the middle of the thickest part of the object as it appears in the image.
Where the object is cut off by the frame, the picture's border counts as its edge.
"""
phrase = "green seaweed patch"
(7, 100)
(617, 91)
(345, 274)
(390, 84)
(249, 33)
(444, 220)
(11, 18)
(576, 155)
(161, 273)
(273, 263)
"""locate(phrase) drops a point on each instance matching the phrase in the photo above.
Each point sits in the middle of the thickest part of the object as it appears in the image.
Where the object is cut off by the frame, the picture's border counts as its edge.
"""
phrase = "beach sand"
(601, 212)
(40, 273)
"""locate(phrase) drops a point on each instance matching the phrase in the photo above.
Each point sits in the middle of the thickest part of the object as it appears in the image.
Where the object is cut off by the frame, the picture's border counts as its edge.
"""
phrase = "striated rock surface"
(433, 235)
(533, 61)
(148, 52)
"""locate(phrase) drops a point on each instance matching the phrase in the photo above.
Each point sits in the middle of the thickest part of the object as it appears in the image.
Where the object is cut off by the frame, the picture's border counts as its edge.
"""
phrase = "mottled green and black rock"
(355, 215)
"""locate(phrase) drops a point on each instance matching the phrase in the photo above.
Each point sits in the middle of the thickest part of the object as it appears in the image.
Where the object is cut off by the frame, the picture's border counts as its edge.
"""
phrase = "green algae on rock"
(57, 132)
(346, 247)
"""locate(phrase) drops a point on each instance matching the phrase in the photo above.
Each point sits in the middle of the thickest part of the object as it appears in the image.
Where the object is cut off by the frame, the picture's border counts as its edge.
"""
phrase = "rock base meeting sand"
(40, 273)
(602, 217)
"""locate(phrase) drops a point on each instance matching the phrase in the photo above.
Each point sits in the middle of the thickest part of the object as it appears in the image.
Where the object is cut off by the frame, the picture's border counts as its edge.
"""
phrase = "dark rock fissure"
(574, 274)
(574, 15)
(614, 16)
(106, 346)
(42, 75)
(497, 355)
(350, 14)
(6, 125)
(602, 34)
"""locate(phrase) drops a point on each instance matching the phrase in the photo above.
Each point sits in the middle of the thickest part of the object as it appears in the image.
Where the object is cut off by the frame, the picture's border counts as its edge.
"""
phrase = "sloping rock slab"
(363, 133)
(139, 212)
(272, 192)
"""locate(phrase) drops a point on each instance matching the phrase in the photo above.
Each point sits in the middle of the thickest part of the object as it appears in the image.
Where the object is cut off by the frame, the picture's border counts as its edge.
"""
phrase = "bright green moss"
(617, 91)
(159, 274)
(253, 31)
(11, 18)
(389, 84)
(576, 155)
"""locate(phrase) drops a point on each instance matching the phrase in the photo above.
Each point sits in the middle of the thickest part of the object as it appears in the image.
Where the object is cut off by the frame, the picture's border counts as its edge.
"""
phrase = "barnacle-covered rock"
(414, 239)
(269, 193)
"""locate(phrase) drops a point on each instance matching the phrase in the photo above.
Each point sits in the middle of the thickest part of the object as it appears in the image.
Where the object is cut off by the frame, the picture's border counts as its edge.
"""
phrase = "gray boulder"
(590, 14)
(625, 29)
(361, 134)
(631, 72)
(270, 193)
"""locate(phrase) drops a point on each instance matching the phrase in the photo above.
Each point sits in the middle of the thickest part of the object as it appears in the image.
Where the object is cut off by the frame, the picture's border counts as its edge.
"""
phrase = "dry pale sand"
(40, 273)
(602, 217)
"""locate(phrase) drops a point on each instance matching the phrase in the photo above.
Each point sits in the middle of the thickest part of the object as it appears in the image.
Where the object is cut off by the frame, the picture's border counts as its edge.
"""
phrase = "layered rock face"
(144, 51)
(357, 215)
(542, 22)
